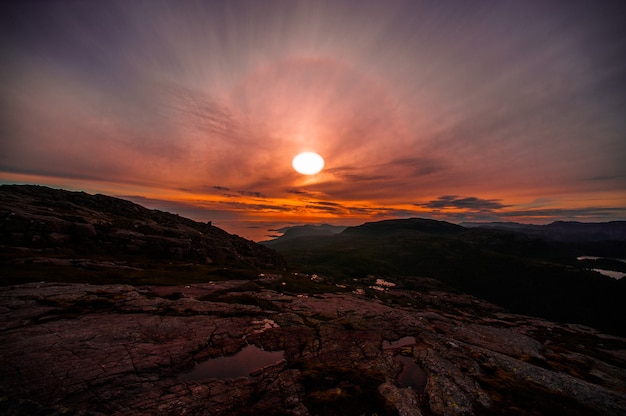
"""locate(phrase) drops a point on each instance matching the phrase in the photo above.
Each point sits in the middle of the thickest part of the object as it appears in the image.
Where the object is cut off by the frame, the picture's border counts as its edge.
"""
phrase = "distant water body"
(610, 273)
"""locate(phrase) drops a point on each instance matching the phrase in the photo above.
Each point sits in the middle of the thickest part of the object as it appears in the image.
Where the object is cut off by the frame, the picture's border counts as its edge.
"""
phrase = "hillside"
(599, 239)
(40, 226)
(566, 231)
(526, 274)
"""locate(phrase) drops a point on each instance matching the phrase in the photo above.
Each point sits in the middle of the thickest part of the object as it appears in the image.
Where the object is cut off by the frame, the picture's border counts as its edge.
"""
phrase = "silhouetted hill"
(565, 231)
(524, 273)
(59, 223)
(421, 225)
(606, 239)
(307, 230)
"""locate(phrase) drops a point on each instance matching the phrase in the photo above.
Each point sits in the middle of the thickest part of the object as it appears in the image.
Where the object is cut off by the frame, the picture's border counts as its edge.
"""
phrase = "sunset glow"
(308, 163)
(459, 111)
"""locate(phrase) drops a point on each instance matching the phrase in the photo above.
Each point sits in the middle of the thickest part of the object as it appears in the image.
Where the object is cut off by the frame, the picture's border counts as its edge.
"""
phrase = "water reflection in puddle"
(411, 374)
(241, 364)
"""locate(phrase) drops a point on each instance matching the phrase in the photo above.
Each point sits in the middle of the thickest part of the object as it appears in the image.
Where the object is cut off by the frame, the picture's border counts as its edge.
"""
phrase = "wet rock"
(403, 399)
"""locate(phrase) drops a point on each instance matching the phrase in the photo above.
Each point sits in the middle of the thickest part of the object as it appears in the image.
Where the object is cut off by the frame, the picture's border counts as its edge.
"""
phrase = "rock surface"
(80, 349)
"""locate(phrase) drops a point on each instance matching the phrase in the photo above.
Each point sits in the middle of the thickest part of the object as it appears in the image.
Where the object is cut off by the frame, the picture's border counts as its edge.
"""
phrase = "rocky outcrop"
(72, 224)
(123, 350)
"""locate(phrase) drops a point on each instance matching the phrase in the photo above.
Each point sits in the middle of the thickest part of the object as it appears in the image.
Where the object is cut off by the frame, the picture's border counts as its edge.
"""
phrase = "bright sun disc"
(308, 163)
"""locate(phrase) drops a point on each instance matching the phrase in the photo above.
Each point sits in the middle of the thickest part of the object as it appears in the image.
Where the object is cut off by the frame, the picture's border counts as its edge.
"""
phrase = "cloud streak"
(470, 203)
(418, 108)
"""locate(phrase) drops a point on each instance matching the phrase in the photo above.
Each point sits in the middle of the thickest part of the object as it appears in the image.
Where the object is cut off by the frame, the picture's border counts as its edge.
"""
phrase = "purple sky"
(456, 110)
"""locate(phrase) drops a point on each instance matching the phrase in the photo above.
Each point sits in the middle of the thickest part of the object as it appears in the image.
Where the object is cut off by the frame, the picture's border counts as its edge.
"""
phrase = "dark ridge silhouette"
(387, 227)
(64, 223)
(564, 231)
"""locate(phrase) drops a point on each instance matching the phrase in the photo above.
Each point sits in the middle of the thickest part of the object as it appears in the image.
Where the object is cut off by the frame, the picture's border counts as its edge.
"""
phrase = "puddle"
(411, 374)
(241, 364)
(399, 343)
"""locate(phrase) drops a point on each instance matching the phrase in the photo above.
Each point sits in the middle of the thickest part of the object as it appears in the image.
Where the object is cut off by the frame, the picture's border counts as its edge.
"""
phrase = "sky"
(453, 110)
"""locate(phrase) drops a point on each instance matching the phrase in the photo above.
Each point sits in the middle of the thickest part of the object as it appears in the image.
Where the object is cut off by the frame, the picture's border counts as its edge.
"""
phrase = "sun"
(308, 163)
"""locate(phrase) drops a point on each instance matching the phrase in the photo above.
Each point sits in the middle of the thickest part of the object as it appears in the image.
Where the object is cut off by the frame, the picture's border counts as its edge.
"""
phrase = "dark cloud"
(337, 210)
(355, 177)
(199, 111)
(196, 210)
(470, 203)
(246, 207)
(352, 174)
(417, 166)
(609, 178)
(251, 193)
(301, 192)
(327, 203)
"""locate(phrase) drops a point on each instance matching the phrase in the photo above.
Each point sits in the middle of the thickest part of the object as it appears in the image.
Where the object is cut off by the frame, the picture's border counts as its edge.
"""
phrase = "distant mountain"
(566, 231)
(61, 223)
(523, 272)
(307, 230)
(420, 225)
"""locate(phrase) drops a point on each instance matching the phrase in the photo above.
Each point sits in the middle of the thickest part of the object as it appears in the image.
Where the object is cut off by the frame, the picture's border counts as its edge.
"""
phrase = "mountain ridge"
(565, 231)
(66, 223)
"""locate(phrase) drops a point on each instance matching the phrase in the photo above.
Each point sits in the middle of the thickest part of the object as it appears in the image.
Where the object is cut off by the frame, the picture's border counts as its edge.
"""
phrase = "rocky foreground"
(80, 349)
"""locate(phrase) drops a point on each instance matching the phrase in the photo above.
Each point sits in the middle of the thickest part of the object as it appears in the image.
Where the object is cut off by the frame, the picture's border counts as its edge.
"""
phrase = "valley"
(107, 308)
